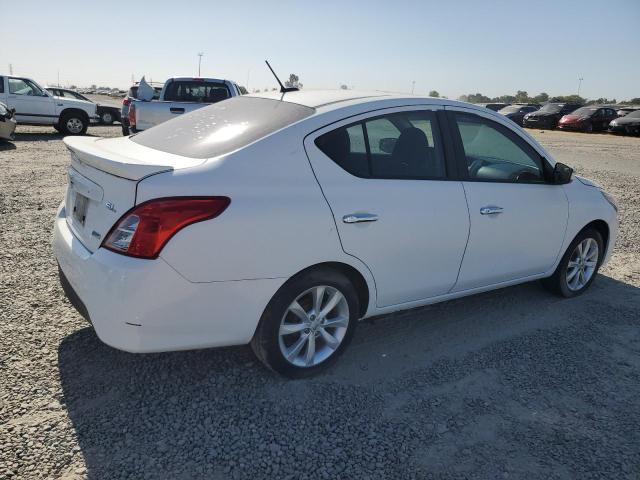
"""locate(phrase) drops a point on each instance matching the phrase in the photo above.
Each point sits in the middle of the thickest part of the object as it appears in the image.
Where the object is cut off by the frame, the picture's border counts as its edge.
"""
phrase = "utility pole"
(199, 61)
(579, 84)
(413, 86)
(58, 77)
(10, 69)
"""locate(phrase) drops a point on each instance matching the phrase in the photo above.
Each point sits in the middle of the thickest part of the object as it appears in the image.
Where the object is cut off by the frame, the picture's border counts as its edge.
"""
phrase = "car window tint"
(380, 129)
(397, 146)
(194, 91)
(493, 153)
(1, 84)
(18, 86)
(222, 127)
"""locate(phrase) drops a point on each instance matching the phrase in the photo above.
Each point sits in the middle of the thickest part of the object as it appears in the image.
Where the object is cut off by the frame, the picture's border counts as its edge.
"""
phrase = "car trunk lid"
(103, 178)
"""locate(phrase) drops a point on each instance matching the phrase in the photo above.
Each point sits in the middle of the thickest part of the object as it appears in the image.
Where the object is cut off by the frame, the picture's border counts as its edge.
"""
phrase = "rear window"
(223, 127)
(195, 91)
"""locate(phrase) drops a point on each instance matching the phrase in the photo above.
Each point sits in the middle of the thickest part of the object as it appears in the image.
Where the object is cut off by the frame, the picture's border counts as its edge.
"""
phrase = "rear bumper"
(146, 306)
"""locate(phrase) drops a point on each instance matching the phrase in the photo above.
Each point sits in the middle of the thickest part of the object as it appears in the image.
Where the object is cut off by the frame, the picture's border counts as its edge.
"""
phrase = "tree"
(522, 97)
(635, 100)
(344, 87)
(293, 82)
(475, 98)
(541, 98)
(434, 94)
(569, 99)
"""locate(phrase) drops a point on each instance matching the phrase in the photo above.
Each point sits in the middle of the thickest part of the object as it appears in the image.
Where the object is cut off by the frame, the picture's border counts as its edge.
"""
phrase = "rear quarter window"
(222, 127)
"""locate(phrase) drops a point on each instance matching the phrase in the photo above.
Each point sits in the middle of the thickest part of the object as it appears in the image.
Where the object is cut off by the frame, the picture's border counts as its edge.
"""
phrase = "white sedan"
(281, 220)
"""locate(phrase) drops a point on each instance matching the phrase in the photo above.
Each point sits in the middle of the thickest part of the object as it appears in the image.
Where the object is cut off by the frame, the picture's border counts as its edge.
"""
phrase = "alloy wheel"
(313, 326)
(74, 125)
(582, 264)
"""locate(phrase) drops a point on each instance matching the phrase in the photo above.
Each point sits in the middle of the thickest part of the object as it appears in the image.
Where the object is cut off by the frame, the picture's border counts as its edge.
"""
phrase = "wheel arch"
(356, 278)
(602, 228)
(71, 110)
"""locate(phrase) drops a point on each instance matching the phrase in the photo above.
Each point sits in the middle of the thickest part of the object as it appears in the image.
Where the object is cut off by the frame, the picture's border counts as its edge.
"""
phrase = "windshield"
(584, 112)
(222, 127)
(550, 108)
(510, 109)
(634, 114)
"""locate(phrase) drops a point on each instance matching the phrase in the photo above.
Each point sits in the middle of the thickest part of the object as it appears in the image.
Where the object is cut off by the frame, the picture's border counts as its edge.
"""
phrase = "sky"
(494, 47)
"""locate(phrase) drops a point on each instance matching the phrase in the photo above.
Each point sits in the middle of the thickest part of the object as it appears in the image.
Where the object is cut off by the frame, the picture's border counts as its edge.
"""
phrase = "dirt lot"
(509, 384)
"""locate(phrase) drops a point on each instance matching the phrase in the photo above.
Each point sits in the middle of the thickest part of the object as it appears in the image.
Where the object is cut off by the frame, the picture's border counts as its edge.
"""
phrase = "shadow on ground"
(513, 383)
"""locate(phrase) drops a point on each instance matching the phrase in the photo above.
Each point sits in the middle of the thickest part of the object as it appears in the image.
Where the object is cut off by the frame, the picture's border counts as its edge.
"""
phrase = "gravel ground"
(508, 384)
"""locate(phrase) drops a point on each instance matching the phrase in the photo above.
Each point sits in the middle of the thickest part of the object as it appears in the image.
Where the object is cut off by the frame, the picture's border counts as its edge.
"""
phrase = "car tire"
(125, 130)
(295, 342)
(107, 118)
(73, 124)
(57, 127)
(575, 272)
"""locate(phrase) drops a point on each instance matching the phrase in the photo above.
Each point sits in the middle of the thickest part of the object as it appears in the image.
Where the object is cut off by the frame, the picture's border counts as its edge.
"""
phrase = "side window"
(396, 146)
(1, 84)
(494, 153)
(17, 86)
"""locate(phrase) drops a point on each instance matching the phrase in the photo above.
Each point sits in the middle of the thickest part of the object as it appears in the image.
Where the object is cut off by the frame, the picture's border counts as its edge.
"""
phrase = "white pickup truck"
(35, 106)
(179, 95)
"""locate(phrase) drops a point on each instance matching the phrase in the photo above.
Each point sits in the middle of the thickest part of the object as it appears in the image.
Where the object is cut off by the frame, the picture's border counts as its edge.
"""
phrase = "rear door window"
(196, 91)
(402, 145)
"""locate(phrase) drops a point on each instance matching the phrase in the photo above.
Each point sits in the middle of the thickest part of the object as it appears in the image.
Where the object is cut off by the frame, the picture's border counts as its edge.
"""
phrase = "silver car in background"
(7, 122)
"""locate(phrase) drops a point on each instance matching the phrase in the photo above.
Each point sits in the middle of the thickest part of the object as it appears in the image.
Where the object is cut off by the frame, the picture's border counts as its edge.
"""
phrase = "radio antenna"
(283, 89)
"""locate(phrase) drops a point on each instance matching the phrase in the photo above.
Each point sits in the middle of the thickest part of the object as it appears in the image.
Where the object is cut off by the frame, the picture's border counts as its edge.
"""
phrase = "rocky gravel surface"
(508, 384)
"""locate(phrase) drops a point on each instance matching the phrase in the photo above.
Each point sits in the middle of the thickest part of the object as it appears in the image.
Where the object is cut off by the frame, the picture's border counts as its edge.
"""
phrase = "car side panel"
(277, 224)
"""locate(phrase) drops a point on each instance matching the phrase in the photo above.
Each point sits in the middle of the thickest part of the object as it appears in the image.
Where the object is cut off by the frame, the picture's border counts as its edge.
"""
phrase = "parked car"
(35, 106)
(107, 114)
(516, 112)
(588, 119)
(130, 96)
(494, 106)
(549, 115)
(7, 122)
(178, 96)
(281, 220)
(626, 110)
(630, 124)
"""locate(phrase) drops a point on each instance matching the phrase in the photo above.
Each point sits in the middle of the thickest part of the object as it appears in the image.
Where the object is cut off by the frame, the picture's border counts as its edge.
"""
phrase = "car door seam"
(466, 245)
(333, 216)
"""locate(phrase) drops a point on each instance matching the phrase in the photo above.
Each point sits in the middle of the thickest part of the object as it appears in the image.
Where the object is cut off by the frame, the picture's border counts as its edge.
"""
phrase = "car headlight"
(613, 123)
(610, 199)
(527, 115)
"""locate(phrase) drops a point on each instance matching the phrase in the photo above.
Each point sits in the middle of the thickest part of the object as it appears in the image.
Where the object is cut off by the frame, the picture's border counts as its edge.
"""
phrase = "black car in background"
(549, 115)
(494, 106)
(629, 124)
(108, 114)
(622, 111)
(517, 111)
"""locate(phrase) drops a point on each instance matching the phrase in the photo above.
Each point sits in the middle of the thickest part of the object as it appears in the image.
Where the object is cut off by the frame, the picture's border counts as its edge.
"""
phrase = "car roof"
(327, 100)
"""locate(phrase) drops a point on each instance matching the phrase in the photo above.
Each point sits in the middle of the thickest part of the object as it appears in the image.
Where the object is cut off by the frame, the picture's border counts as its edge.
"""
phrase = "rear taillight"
(144, 230)
(132, 115)
(126, 102)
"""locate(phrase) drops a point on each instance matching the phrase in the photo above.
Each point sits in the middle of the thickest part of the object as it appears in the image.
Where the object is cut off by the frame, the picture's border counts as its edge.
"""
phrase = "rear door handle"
(176, 110)
(359, 217)
(490, 210)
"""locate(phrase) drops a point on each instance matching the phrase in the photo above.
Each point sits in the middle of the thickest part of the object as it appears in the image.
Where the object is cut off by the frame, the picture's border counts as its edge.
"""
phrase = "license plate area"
(80, 203)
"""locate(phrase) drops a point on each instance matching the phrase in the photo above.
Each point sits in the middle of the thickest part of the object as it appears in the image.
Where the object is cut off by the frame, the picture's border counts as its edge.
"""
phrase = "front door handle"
(359, 217)
(490, 210)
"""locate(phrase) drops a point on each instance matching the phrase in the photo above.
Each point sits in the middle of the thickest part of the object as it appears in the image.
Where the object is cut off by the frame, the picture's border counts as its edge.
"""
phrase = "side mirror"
(387, 144)
(561, 174)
